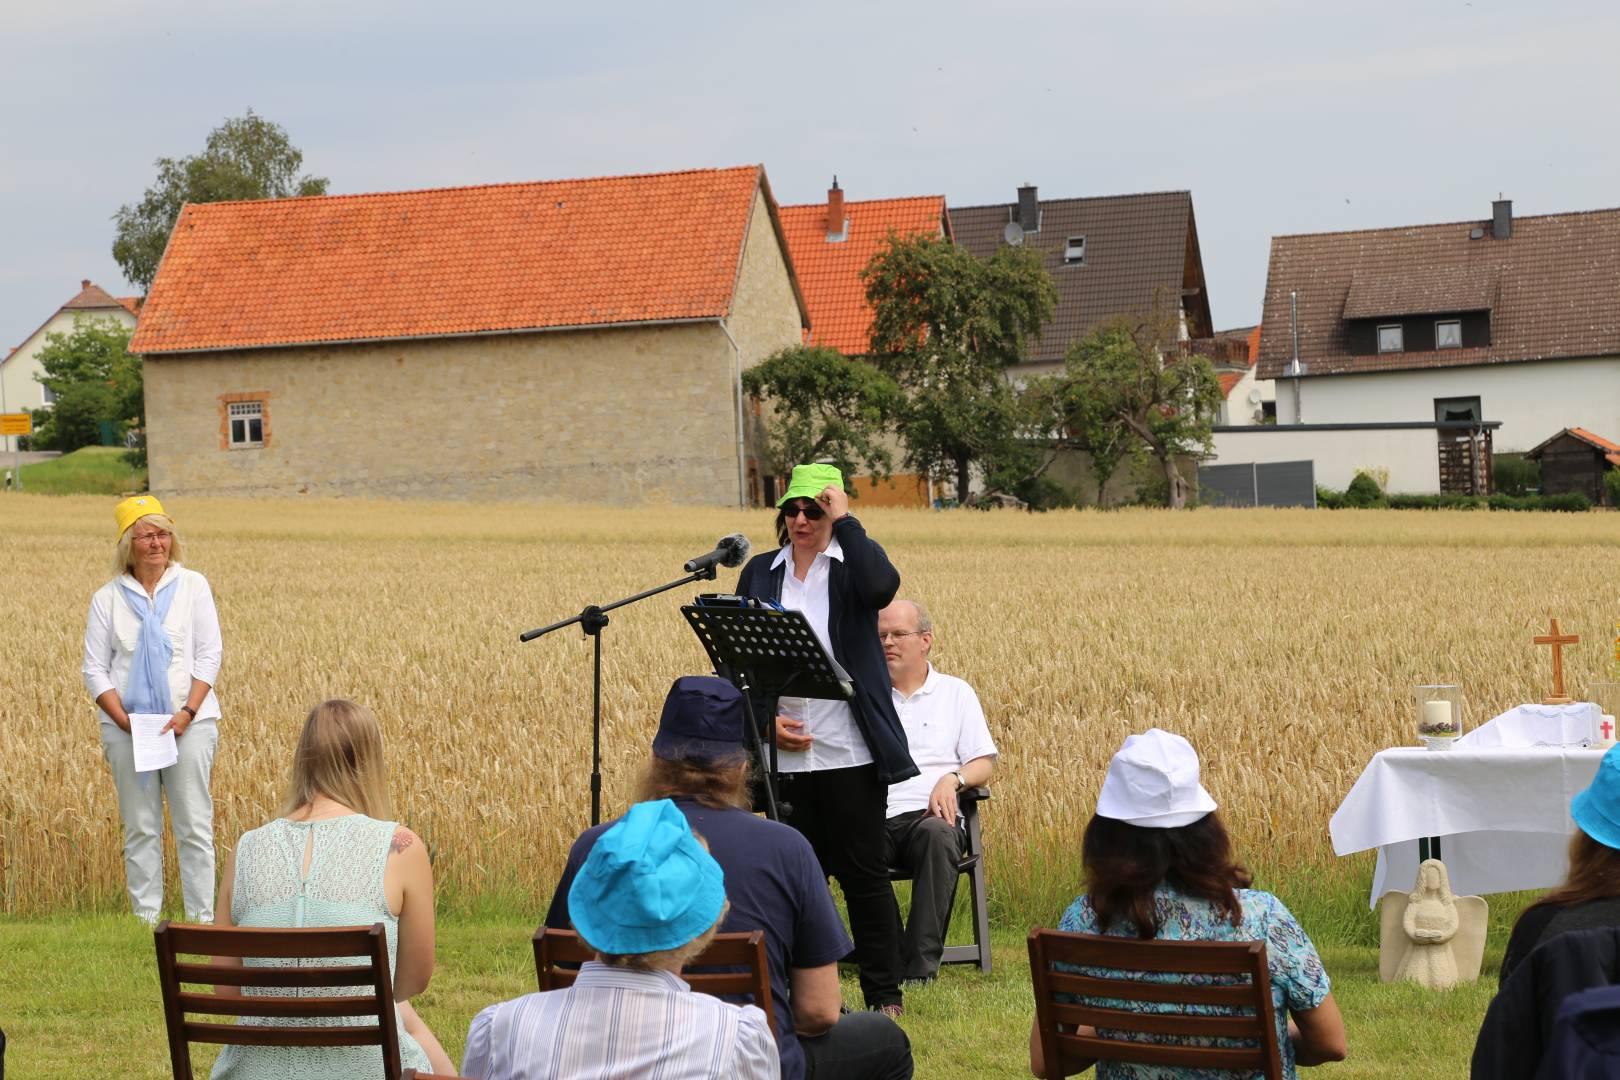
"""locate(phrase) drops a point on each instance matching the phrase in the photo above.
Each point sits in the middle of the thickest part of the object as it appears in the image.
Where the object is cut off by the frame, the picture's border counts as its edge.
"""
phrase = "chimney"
(1029, 209)
(84, 283)
(1501, 219)
(835, 211)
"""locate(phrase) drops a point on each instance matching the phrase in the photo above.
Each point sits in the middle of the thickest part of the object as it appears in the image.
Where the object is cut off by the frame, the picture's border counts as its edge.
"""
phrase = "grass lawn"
(91, 470)
(79, 998)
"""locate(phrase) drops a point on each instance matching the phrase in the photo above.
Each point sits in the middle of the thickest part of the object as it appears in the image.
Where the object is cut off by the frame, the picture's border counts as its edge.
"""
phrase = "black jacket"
(1519, 1023)
(857, 589)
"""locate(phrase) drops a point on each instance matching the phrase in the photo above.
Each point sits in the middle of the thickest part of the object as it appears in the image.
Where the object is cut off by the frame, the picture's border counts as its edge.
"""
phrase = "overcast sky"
(1279, 118)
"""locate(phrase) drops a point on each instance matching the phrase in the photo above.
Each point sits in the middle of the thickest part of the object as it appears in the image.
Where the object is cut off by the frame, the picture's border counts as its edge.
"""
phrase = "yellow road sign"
(16, 423)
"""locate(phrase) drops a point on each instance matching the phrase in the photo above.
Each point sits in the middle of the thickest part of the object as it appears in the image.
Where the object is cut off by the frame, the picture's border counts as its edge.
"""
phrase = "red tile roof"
(93, 297)
(452, 261)
(1229, 379)
(1611, 450)
(1552, 289)
(830, 271)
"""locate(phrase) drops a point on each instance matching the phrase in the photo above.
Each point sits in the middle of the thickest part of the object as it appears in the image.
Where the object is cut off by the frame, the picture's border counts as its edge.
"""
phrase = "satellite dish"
(1013, 234)
(1254, 396)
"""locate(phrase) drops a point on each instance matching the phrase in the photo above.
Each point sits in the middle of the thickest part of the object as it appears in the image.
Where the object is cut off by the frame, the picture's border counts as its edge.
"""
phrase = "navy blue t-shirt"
(774, 883)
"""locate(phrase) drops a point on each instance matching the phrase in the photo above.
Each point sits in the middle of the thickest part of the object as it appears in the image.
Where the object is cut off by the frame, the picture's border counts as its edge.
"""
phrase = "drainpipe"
(1295, 368)
(737, 395)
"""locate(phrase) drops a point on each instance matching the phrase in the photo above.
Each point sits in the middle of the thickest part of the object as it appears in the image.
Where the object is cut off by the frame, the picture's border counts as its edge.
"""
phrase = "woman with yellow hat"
(152, 645)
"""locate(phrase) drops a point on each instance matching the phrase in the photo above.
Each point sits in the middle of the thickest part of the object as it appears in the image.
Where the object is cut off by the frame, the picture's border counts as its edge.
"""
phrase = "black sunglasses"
(810, 510)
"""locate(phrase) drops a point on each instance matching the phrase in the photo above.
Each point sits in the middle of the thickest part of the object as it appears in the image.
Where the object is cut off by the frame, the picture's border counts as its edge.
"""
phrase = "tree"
(245, 158)
(94, 380)
(1135, 372)
(946, 326)
(827, 407)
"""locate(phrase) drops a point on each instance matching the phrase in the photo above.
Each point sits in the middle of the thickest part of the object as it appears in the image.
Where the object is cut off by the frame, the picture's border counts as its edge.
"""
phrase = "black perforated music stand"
(770, 651)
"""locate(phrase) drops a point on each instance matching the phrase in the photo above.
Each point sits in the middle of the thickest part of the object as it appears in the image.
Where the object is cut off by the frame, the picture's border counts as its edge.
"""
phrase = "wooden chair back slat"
(412, 1074)
(553, 949)
(375, 1004)
(1177, 1030)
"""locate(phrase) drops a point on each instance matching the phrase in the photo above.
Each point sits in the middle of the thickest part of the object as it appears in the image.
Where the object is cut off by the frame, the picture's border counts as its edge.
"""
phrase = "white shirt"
(620, 1023)
(113, 631)
(945, 729)
(838, 743)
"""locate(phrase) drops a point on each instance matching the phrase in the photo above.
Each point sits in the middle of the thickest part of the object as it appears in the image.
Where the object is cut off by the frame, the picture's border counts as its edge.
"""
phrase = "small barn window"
(1075, 250)
(247, 424)
(1391, 338)
(1448, 334)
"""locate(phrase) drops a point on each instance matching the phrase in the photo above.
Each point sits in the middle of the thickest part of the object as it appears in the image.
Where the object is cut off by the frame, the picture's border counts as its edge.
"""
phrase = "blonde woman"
(152, 645)
(335, 858)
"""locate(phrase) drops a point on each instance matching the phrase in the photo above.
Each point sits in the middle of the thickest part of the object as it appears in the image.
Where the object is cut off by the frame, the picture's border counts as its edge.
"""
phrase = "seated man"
(648, 899)
(773, 881)
(951, 745)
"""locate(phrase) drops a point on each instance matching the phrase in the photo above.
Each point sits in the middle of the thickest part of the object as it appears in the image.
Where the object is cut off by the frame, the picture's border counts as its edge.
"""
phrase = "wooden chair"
(972, 865)
(412, 1074)
(370, 1001)
(558, 954)
(1063, 1047)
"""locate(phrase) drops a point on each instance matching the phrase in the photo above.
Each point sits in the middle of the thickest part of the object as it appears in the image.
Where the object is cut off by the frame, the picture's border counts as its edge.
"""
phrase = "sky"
(1278, 117)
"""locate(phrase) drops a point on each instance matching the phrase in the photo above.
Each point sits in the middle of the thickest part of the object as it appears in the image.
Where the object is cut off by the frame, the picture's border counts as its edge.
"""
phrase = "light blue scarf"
(148, 690)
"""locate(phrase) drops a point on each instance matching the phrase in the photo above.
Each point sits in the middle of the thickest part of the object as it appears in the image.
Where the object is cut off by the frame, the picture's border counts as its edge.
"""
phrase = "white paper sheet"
(152, 751)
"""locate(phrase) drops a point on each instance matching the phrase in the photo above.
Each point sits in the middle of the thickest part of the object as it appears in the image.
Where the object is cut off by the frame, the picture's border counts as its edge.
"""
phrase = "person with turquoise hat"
(648, 899)
(836, 759)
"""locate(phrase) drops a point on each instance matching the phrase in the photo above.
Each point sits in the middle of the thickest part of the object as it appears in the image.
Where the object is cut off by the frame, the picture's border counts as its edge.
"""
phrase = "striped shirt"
(617, 1022)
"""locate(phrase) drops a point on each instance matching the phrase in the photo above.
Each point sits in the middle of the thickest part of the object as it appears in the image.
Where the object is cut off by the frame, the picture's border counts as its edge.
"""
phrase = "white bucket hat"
(1153, 782)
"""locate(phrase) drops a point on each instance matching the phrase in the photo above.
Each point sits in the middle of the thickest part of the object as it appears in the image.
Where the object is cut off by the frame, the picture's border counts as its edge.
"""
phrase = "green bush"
(1515, 474)
(1436, 502)
(1611, 483)
(1364, 492)
(1328, 499)
(1569, 502)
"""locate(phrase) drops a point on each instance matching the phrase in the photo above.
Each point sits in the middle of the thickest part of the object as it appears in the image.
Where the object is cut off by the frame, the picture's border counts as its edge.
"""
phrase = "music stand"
(769, 650)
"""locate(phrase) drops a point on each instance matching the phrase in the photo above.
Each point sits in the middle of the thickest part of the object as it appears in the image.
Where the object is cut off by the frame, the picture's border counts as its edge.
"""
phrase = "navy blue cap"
(702, 721)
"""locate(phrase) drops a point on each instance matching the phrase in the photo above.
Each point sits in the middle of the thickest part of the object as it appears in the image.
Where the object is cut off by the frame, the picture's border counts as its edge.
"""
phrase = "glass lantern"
(1439, 716)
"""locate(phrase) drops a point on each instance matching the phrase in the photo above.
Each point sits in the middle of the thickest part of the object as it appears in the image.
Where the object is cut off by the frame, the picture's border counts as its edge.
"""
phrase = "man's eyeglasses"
(896, 635)
(811, 511)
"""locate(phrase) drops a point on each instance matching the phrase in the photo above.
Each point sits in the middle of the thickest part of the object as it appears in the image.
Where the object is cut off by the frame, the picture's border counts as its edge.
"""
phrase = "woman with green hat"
(836, 758)
(152, 646)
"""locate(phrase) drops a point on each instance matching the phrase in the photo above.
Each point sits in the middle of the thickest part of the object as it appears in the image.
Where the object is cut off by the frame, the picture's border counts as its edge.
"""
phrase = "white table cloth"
(1502, 814)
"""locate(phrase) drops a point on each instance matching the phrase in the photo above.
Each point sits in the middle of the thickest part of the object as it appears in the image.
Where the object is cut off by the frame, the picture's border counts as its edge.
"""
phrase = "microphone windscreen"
(736, 546)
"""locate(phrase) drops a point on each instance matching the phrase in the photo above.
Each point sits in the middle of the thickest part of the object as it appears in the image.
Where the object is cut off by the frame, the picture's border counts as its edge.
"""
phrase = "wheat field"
(1284, 644)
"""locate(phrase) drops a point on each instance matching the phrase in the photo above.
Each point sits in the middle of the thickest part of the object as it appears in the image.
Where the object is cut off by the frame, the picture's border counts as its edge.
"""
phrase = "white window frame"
(1438, 323)
(245, 413)
(1399, 330)
(1074, 251)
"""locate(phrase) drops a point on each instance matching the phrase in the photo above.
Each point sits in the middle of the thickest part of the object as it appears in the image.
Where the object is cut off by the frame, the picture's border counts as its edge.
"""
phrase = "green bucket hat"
(809, 480)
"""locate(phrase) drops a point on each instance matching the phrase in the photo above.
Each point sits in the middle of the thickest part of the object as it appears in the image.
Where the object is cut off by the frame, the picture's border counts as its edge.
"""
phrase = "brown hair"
(1125, 863)
(667, 959)
(1594, 874)
(720, 786)
(340, 755)
(781, 528)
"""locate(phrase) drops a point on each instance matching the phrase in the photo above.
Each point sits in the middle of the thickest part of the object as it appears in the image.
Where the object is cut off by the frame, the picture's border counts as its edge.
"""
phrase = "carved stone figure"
(1431, 936)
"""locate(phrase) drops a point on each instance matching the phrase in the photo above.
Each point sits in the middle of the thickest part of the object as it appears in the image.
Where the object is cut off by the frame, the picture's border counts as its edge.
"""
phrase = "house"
(1245, 400)
(1421, 351)
(1576, 460)
(831, 243)
(569, 339)
(1109, 255)
(20, 388)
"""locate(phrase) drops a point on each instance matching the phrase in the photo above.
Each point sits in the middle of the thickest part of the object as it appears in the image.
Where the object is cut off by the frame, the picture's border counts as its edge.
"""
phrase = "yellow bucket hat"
(134, 508)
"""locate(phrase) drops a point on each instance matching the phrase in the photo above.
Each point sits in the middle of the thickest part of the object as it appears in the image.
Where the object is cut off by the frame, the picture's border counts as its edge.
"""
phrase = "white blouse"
(113, 631)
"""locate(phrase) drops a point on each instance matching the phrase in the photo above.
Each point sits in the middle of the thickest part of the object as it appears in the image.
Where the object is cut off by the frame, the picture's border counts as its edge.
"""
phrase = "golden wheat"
(1284, 644)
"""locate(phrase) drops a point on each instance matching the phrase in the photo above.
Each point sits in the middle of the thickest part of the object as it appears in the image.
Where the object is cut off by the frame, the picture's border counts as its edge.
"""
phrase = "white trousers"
(191, 808)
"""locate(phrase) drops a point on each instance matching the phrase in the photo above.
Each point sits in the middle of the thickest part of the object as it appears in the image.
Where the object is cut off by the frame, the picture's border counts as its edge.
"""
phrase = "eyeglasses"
(896, 635)
(148, 538)
(811, 511)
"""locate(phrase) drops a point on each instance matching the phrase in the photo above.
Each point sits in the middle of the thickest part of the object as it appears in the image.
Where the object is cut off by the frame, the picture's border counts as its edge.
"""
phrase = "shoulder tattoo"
(403, 838)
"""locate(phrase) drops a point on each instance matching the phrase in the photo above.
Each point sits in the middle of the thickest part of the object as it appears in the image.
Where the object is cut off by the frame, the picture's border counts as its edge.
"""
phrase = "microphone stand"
(593, 620)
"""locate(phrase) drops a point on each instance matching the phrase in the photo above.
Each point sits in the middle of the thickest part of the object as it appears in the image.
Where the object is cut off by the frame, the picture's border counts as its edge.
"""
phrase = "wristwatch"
(960, 783)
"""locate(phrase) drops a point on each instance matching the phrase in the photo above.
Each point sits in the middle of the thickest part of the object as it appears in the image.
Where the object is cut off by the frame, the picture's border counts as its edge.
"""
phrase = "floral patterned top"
(1298, 980)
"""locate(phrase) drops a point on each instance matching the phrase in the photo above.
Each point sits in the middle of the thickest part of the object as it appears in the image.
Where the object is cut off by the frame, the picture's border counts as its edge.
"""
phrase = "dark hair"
(720, 785)
(1594, 874)
(781, 528)
(1125, 863)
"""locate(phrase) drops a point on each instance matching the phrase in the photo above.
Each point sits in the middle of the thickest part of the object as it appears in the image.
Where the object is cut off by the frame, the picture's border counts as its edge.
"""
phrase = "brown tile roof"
(93, 297)
(1553, 289)
(830, 272)
(452, 261)
(1138, 247)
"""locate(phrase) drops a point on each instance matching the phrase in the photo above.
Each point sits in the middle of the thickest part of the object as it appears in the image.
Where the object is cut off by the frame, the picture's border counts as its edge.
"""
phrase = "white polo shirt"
(945, 729)
(838, 743)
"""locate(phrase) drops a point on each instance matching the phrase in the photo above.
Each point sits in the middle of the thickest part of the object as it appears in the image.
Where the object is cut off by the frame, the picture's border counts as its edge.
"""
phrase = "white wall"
(1534, 401)
(21, 391)
(1411, 455)
(1237, 410)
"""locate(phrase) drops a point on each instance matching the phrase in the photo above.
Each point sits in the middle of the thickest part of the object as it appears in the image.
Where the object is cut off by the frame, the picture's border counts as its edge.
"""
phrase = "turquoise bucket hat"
(647, 885)
(1597, 809)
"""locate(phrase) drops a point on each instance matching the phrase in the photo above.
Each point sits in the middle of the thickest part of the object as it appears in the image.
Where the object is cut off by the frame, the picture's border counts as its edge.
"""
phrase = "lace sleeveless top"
(344, 887)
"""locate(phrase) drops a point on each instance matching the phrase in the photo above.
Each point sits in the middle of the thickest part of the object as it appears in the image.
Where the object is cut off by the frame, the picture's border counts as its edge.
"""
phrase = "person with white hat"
(1159, 865)
(152, 645)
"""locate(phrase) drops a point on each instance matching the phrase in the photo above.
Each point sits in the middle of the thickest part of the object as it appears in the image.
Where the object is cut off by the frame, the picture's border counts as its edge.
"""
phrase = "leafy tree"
(1076, 421)
(827, 408)
(245, 158)
(1135, 373)
(94, 378)
(946, 326)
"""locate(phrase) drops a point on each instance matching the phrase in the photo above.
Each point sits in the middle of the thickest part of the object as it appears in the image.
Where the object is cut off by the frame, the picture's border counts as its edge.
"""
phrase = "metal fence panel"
(1226, 485)
(1278, 483)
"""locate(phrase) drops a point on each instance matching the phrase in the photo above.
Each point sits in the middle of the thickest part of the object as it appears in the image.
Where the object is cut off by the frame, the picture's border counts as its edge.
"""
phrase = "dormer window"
(1074, 252)
(1448, 334)
(1391, 338)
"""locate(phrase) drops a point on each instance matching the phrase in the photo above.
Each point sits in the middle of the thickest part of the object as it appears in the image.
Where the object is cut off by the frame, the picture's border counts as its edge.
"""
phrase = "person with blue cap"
(648, 899)
(774, 884)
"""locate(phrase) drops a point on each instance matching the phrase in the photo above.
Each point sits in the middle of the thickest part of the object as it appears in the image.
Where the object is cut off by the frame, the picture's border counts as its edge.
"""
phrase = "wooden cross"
(1557, 641)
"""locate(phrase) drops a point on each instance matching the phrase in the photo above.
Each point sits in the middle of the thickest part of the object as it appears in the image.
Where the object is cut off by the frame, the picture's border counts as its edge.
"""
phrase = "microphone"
(728, 551)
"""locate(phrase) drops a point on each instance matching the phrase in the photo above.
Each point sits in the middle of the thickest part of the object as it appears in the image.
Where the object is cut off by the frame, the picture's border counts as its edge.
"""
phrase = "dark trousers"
(841, 813)
(861, 1046)
(930, 848)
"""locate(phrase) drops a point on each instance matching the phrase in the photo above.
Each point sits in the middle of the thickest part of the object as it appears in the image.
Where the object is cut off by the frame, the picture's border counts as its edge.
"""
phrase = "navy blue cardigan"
(857, 589)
